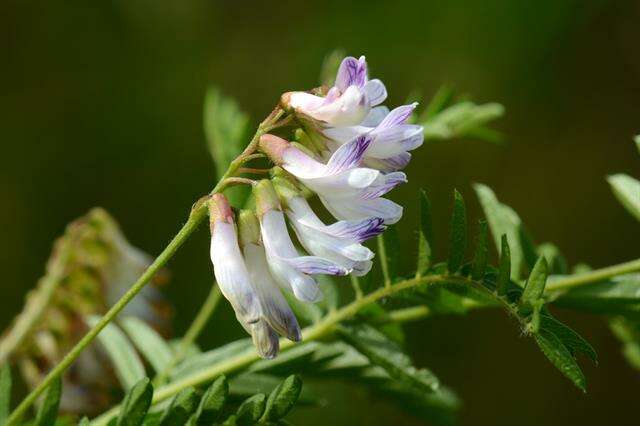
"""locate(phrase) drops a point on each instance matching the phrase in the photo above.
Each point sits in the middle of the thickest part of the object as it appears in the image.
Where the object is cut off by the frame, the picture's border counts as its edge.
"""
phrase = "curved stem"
(194, 330)
(198, 213)
(571, 281)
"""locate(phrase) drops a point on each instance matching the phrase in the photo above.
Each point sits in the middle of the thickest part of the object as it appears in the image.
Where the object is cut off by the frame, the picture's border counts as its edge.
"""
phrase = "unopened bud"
(219, 210)
(274, 147)
(249, 227)
(266, 197)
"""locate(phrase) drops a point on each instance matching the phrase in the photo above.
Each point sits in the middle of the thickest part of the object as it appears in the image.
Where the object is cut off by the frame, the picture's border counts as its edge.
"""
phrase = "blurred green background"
(101, 104)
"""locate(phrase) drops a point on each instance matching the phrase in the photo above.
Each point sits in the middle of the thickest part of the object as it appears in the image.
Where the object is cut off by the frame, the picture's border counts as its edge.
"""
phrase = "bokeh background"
(101, 105)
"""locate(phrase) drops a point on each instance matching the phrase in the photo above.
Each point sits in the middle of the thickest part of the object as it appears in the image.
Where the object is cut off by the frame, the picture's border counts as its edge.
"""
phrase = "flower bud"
(219, 210)
(274, 147)
(249, 228)
(266, 197)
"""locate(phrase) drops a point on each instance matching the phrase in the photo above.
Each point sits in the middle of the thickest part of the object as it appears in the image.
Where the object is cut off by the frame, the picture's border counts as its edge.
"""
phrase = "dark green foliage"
(251, 410)
(458, 235)
(5, 392)
(385, 353)
(283, 398)
(49, 409)
(136, 404)
(620, 295)
(531, 298)
(212, 403)
(628, 332)
(481, 252)
(181, 407)
(572, 340)
(561, 357)
(504, 272)
(425, 238)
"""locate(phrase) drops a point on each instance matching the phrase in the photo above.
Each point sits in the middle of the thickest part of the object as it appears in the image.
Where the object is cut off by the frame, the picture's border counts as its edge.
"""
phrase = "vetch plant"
(293, 215)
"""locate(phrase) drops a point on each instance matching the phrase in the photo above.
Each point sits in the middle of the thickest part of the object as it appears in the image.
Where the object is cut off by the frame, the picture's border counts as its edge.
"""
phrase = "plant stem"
(198, 213)
(355, 283)
(382, 253)
(194, 330)
(571, 281)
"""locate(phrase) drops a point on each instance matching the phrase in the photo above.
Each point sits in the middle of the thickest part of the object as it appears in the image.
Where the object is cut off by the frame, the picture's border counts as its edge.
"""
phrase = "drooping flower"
(391, 138)
(348, 191)
(348, 102)
(339, 242)
(291, 270)
(275, 310)
(229, 267)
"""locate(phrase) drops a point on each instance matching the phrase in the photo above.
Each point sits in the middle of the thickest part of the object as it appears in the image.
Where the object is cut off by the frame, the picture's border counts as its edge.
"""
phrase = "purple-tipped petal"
(348, 155)
(357, 230)
(316, 265)
(398, 116)
(391, 180)
(375, 116)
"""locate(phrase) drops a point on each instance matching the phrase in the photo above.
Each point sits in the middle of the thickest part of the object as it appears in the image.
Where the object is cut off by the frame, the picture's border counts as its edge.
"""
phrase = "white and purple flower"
(291, 270)
(348, 191)
(348, 102)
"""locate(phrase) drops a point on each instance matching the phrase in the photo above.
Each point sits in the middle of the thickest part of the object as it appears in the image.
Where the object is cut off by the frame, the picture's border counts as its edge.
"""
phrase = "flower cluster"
(348, 152)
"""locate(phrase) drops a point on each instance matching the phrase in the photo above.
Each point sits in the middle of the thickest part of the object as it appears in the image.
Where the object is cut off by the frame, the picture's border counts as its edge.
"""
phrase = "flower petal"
(375, 116)
(231, 272)
(395, 140)
(391, 164)
(376, 92)
(398, 115)
(351, 72)
(357, 230)
(342, 209)
(348, 156)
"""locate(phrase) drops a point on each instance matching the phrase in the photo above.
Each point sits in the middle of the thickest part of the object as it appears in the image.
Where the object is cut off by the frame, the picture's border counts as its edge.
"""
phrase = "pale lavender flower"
(291, 270)
(348, 102)
(348, 191)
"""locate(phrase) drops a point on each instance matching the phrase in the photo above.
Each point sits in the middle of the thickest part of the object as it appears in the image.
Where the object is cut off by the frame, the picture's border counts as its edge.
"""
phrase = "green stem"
(355, 283)
(564, 283)
(198, 213)
(382, 253)
(194, 330)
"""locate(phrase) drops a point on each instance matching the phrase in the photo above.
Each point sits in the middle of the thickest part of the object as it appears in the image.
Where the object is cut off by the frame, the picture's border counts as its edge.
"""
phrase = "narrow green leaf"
(128, 366)
(251, 410)
(154, 348)
(557, 263)
(502, 221)
(636, 139)
(533, 290)
(458, 236)
(482, 252)
(283, 398)
(559, 355)
(627, 191)
(181, 407)
(136, 404)
(48, 411)
(225, 127)
(572, 340)
(377, 316)
(212, 402)
(84, 422)
(504, 274)
(425, 254)
(248, 384)
(385, 353)
(5, 392)
(329, 287)
(389, 253)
